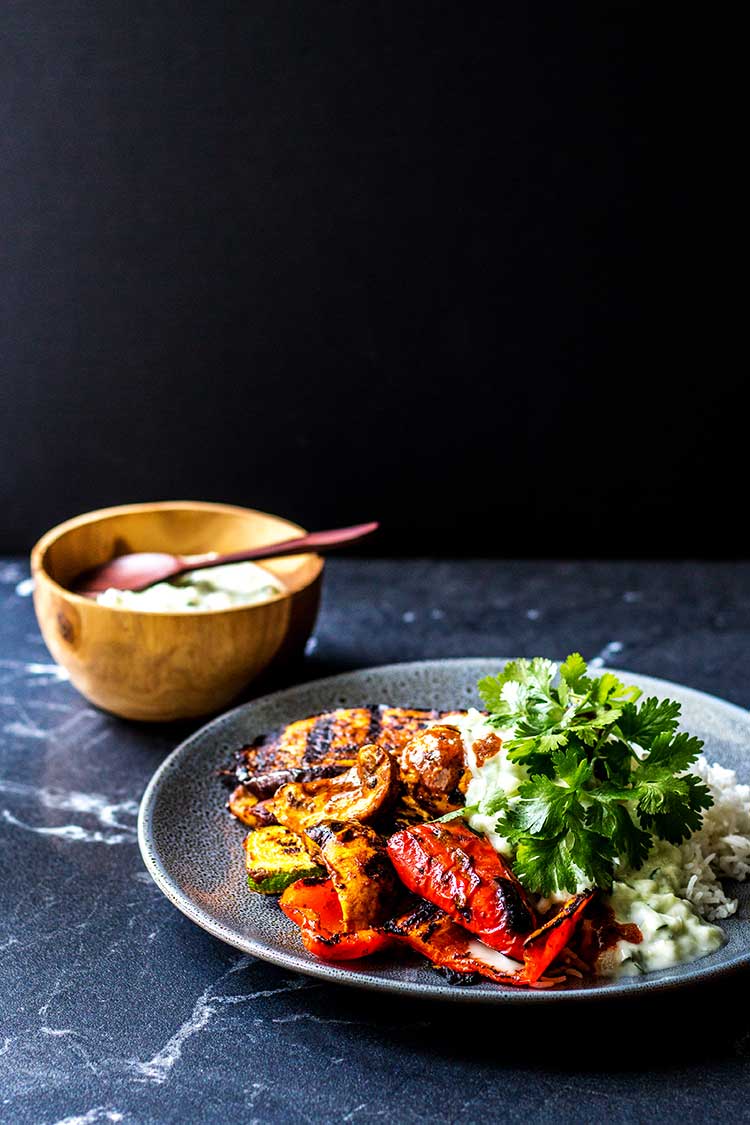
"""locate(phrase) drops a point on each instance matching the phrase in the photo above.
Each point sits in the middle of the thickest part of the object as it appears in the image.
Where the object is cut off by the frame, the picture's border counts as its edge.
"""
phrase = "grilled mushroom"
(358, 794)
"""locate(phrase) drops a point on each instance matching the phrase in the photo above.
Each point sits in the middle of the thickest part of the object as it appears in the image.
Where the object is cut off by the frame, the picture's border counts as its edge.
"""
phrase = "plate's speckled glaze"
(192, 848)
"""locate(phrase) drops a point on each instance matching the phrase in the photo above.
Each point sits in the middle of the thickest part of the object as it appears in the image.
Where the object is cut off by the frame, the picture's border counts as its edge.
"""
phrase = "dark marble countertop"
(115, 1008)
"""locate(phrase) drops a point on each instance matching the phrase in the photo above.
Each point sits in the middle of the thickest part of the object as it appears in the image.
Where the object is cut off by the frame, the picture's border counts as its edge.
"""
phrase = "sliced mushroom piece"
(432, 764)
(246, 807)
(360, 870)
(241, 803)
(265, 785)
(358, 794)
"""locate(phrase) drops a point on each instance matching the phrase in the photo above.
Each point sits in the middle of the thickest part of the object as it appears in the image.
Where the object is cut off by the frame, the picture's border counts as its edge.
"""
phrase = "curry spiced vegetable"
(346, 831)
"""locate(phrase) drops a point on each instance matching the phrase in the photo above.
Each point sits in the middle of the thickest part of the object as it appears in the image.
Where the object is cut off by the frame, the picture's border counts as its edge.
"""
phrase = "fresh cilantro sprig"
(607, 774)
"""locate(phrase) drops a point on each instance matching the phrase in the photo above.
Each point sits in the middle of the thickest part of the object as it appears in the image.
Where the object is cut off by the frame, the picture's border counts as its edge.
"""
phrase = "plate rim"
(334, 973)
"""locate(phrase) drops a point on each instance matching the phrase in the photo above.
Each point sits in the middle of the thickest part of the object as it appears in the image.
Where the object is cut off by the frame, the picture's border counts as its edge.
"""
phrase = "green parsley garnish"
(607, 775)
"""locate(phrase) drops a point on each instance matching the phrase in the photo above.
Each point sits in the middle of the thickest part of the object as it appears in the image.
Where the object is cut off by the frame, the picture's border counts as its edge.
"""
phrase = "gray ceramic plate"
(192, 848)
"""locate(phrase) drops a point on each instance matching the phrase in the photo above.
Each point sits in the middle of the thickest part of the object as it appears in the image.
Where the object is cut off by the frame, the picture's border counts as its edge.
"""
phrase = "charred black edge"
(333, 939)
(261, 812)
(452, 976)
(344, 831)
(520, 917)
(562, 915)
(424, 914)
(320, 834)
(378, 867)
(313, 880)
(319, 737)
(376, 721)
(228, 776)
(265, 785)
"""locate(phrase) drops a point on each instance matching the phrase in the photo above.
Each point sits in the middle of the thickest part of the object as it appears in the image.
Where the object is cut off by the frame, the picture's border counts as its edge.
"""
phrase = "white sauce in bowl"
(216, 587)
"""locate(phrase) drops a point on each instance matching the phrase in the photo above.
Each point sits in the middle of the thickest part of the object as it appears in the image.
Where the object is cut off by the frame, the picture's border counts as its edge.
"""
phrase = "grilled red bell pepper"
(462, 873)
(545, 944)
(430, 931)
(315, 908)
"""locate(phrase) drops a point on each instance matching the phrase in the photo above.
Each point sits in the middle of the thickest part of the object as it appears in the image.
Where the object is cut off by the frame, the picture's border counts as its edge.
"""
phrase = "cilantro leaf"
(545, 865)
(615, 762)
(607, 774)
(612, 819)
(463, 814)
(490, 690)
(542, 809)
(671, 806)
(558, 863)
(677, 753)
(645, 723)
(573, 669)
(572, 768)
(593, 855)
(495, 803)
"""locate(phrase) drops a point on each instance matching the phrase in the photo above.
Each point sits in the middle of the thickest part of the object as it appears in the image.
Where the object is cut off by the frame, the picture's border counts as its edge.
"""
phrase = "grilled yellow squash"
(275, 857)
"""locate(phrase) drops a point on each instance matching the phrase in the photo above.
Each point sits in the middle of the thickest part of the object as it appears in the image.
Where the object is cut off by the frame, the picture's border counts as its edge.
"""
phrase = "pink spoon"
(139, 571)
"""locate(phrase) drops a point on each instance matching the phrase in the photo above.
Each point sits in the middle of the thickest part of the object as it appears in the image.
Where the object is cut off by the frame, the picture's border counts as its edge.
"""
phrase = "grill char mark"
(328, 738)
(376, 722)
(319, 738)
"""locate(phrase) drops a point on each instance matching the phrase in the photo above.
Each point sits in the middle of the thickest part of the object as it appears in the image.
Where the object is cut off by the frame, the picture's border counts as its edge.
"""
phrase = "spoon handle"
(314, 541)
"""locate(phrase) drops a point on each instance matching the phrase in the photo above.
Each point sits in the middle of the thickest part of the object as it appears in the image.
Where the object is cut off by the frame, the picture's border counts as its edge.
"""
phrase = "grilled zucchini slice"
(275, 857)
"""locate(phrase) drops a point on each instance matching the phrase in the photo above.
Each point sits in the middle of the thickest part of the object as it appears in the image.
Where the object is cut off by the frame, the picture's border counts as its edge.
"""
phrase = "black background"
(449, 266)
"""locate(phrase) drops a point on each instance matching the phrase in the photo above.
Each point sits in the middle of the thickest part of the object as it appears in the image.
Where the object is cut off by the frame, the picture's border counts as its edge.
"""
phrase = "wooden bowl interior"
(181, 529)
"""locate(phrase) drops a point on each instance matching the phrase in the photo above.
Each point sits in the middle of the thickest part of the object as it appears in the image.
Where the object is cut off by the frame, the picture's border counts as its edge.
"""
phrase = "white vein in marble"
(114, 817)
(97, 1113)
(26, 726)
(157, 1070)
(35, 669)
(10, 573)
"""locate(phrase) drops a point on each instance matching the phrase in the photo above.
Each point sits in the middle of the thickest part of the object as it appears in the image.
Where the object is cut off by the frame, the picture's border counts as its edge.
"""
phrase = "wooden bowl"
(163, 666)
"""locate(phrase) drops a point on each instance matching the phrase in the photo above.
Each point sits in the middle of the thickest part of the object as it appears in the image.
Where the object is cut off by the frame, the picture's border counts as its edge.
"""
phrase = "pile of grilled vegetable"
(344, 811)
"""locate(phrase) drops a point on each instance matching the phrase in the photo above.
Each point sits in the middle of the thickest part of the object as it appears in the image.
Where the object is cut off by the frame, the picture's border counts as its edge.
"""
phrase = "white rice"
(721, 847)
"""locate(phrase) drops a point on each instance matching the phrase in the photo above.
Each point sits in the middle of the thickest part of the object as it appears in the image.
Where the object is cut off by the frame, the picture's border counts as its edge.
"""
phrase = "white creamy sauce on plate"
(672, 931)
(216, 587)
(497, 773)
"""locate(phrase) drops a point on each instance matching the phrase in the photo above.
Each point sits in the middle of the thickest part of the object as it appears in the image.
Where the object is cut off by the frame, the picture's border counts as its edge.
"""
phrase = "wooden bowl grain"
(165, 666)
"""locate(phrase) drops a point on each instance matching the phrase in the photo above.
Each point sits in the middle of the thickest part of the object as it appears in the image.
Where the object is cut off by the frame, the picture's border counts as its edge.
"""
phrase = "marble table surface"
(115, 1008)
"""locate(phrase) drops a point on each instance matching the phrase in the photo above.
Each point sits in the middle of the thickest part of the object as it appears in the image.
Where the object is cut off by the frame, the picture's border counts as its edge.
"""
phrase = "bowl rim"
(42, 545)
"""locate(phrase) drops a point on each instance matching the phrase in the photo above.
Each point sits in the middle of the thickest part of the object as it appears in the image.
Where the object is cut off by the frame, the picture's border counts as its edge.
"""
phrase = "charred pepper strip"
(430, 931)
(314, 907)
(545, 944)
(463, 874)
